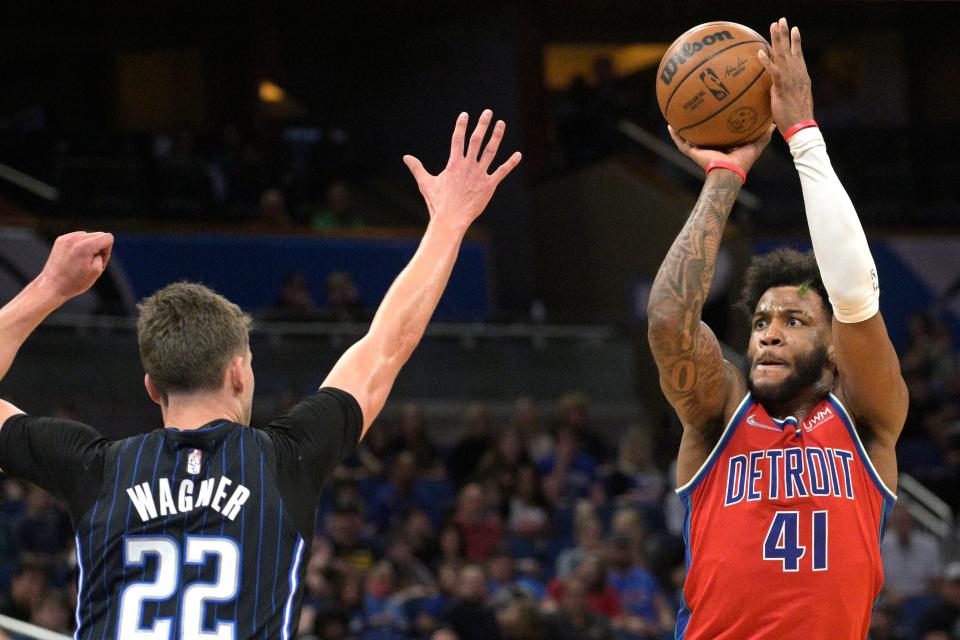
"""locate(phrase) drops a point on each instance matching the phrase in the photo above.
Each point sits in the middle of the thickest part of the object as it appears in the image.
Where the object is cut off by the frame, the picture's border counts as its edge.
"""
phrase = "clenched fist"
(76, 261)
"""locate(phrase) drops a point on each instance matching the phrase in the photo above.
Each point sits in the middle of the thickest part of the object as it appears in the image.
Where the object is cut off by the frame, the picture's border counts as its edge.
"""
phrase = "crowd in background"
(538, 527)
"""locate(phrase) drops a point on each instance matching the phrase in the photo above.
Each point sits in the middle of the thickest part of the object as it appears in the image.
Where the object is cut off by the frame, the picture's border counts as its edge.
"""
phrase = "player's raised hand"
(462, 190)
(743, 156)
(790, 95)
(76, 261)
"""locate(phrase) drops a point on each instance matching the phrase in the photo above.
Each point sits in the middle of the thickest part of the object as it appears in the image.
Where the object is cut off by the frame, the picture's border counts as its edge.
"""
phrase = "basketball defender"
(787, 473)
(199, 530)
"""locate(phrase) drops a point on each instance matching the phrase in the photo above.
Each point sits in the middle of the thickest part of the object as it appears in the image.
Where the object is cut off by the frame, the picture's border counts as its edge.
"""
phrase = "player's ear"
(235, 374)
(155, 395)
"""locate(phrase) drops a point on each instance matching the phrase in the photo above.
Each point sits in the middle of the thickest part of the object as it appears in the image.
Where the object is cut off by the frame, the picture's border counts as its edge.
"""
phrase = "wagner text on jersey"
(220, 494)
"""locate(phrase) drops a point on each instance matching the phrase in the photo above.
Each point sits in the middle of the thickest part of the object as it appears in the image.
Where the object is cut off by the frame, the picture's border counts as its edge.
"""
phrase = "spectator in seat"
(911, 557)
(573, 619)
(468, 615)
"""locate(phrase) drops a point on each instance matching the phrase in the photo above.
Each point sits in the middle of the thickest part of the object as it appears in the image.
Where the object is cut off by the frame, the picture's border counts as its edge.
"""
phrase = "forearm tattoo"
(687, 353)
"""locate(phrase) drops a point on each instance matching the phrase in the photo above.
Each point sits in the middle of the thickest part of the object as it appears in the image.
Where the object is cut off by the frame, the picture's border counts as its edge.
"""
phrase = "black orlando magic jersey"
(194, 534)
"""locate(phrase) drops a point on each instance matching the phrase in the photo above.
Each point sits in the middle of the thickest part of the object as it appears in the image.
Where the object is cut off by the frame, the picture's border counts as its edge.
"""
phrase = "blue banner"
(249, 270)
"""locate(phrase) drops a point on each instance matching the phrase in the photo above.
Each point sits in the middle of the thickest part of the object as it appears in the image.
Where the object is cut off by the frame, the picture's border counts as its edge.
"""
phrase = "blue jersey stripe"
(153, 483)
(684, 614)
(243, 513)
(136, 465)
(176, 613)
(166, 519)
(126, 526)
(203, 518)
(276, 569)
(106, 533)
(294, 579)
(884, 515)
(90, 537)
(223, 523)
(256, 589)
(76, 635)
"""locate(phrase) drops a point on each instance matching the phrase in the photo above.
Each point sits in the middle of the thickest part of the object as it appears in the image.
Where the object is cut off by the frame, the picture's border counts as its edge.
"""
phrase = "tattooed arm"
(700, 385)
(693, 374)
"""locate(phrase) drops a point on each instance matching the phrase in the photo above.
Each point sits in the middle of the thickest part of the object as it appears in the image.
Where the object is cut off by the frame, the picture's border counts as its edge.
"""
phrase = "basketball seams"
(666, 106)
(726, 106)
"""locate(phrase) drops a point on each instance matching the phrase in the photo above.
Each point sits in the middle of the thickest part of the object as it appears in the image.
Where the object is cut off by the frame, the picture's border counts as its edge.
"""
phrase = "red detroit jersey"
(783, 528)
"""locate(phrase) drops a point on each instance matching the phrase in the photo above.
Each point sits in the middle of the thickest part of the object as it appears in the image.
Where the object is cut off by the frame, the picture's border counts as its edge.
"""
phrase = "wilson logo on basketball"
(687, 50)
(818, 419)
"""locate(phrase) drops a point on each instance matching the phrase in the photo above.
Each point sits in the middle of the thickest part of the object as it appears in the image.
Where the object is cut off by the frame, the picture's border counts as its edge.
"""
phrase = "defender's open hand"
(76, 261)
(791, 96)
(463, 189)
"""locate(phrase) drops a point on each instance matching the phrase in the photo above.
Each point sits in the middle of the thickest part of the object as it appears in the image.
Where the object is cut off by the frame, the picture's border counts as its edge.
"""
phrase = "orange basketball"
(711, 87)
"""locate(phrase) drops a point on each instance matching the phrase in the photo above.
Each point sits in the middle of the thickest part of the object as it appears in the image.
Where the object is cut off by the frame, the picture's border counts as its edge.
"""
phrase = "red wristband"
(722, 164)
(803, 124)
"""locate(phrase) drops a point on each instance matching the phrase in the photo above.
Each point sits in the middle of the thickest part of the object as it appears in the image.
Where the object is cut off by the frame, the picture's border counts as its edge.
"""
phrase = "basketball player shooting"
(787, 472)
(199, 530)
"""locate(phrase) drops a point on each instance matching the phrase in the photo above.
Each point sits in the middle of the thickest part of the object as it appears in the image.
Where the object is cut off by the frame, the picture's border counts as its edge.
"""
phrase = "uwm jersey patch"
(783, 529)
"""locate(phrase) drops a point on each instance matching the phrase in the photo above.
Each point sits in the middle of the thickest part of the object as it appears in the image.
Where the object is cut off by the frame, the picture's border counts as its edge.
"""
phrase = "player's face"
(789, 343)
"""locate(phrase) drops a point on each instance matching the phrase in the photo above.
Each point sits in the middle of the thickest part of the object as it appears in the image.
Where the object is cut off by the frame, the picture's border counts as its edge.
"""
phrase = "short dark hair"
(187, 335)
(781, 268)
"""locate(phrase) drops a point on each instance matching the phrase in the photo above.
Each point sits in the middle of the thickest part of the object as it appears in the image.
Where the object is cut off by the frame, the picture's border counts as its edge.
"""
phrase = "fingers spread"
(459, 135)
(493, 144)
(795, 42)
(478, 133)
(504, 170)
(416, 168)
(769, 65)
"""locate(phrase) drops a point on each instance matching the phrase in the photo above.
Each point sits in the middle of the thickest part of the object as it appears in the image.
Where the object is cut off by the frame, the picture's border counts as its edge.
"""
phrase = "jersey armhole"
(108, 459)
(888, 495)
(273, 472)
(725, 436)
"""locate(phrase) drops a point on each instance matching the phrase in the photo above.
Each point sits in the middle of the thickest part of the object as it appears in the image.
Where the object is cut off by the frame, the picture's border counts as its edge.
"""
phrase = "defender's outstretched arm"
(455, 198)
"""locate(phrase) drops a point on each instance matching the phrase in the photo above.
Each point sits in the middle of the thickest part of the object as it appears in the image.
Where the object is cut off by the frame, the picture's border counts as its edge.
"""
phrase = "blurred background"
(519, 483)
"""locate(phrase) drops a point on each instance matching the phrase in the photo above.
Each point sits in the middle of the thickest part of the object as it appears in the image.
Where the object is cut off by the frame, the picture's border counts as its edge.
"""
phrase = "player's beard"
(807, 370)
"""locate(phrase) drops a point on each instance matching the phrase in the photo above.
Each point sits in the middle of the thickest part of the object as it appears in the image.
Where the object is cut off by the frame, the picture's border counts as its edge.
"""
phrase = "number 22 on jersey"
(168, 583)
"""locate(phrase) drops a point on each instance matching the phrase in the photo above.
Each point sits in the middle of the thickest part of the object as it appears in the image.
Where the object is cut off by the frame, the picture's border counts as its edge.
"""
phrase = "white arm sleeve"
(843, 256)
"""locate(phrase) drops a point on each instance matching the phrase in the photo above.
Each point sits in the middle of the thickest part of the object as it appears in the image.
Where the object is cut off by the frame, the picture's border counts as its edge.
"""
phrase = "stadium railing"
(669, 153)
(29, 630)
(926, 507)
